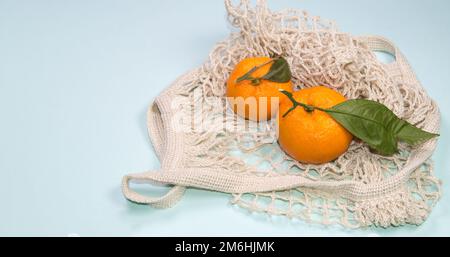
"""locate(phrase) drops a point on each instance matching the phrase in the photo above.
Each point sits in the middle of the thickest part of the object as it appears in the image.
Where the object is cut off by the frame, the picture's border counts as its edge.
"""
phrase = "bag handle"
(166, 201)
(400, 66)
(156, 121)
(378, 43)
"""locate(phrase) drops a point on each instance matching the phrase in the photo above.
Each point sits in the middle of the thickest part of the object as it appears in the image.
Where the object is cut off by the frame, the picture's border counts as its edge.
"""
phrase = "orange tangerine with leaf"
(253, 88)
(308, 134)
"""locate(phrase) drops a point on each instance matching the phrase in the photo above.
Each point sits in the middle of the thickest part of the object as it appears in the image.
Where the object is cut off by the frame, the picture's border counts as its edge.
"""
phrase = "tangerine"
(256, 100)
(311, 135)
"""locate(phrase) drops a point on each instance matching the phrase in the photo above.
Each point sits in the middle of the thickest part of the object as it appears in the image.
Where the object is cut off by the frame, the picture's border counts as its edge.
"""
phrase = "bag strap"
(156, 132)
(378, 43)
(166, 201)
(400, 66)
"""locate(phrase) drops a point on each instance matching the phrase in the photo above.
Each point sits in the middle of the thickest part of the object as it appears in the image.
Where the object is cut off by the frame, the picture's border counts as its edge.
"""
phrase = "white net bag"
(202, 144)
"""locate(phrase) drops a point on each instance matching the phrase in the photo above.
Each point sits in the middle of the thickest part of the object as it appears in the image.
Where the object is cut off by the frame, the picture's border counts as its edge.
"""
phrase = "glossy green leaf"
(413, 135)
(279, 71)
(376, 125)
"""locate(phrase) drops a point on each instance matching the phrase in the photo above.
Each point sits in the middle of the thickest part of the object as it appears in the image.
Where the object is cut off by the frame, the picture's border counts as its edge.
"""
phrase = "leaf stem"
(295, 104)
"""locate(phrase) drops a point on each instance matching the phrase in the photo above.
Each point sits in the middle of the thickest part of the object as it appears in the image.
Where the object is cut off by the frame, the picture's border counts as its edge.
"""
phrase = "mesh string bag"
(202, 144)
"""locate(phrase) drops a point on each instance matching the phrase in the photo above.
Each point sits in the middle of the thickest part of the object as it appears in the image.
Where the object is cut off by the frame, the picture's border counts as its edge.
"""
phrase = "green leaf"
(376, 125)
(413, 135)
(279, 71)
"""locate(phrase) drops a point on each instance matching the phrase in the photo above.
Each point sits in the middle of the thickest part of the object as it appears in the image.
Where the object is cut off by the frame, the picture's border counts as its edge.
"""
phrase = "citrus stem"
(255, 81)
(295, 104)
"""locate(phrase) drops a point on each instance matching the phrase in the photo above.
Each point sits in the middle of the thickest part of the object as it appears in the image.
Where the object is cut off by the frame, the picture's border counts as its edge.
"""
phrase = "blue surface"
(76, 78)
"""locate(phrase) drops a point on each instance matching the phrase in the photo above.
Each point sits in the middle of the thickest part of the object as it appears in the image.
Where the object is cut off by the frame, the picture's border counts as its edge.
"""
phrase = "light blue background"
(76, 78)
